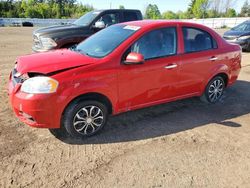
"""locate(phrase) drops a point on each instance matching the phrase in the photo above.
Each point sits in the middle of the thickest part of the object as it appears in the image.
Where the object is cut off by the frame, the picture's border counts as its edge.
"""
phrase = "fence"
(35, 21)
(219, 22)
(210, 22)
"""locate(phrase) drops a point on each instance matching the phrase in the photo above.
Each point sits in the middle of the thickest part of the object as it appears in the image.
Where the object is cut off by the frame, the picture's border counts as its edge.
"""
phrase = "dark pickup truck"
(66, 36)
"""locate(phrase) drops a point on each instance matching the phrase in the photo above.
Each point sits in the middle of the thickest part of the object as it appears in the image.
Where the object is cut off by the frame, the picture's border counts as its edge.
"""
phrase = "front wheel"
(248, 48)
(85, 118)
(214, 90)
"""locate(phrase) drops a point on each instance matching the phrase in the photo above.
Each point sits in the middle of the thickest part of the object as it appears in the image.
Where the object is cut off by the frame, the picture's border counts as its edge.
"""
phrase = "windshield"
(87, 18)
(242, 27)
(105, 41)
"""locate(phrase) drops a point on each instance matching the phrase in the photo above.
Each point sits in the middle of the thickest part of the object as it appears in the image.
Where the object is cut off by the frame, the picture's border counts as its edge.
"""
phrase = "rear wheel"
(85, 118)
(214, 90)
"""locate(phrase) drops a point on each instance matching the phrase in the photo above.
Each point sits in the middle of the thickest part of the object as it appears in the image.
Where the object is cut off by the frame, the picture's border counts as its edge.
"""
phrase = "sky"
(163, 5)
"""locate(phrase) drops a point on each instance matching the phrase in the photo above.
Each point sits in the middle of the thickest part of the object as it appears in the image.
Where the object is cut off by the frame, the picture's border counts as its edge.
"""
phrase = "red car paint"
(127, 87)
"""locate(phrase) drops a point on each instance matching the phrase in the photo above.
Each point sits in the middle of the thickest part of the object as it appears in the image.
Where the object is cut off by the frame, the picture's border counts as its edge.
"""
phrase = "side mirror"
(134, 58)
(99, 25)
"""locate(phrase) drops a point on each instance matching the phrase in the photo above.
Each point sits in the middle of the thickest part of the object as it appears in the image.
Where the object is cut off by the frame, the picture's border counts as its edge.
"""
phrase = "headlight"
(48, 42)
(39, 85)
(244, 37)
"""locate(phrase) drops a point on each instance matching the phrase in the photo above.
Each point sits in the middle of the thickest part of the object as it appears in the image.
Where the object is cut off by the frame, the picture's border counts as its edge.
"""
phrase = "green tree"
(182, 15)
(81, 10)
(152, 12)
(190, 13)
(231, 13)
(245, 10)
(54, 10)
(169, 15)
(8, 8)
(212, 13)
(43, 10)
(200, 8)
(121, 7)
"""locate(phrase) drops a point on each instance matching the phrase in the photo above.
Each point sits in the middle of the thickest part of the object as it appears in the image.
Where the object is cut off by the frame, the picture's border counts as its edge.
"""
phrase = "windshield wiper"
(80, 51)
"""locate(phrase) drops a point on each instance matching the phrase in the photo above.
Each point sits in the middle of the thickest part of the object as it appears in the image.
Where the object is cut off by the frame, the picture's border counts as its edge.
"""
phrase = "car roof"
(145, 23)
(103, 10)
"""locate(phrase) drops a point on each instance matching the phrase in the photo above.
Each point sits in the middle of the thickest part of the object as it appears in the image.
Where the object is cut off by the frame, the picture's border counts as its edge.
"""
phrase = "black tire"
(76, 118)
(248, 48)
(27, 24)
(213, 94)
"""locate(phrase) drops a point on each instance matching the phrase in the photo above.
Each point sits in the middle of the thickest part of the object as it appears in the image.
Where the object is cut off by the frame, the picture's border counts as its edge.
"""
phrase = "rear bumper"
(244, 44)
(235, 71)
(233, 78)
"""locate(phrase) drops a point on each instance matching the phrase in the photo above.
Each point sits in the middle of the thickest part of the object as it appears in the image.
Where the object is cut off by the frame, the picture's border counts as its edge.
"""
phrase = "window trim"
(176, 50)
(202, 30)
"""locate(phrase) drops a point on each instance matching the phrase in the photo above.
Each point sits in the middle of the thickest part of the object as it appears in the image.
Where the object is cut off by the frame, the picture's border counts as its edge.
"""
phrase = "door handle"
(171, 66)
(213, 58)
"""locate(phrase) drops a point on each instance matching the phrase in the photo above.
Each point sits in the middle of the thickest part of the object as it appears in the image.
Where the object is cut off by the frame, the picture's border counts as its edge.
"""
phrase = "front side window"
(196, 40)
(157, 43)
(110, 19)
(105, 41)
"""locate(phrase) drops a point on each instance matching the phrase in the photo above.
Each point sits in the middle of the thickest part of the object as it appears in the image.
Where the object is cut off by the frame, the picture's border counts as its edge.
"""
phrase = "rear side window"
(130, 16)
(196, 40)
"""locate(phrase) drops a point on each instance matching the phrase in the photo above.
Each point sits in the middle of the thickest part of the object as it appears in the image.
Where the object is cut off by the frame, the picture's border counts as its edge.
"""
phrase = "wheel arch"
(220, 70)
(93, 96)
(224, 76)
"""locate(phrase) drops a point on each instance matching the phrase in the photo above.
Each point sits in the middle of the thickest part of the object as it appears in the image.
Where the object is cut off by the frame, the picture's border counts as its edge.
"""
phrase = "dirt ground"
(180, 144)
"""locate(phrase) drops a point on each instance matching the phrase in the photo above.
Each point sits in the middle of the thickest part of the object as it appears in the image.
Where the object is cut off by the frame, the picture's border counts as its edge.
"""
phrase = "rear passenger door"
(199, 57)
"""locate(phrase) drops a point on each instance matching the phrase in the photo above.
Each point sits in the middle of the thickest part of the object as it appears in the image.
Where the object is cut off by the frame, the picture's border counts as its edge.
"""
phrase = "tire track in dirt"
(85, 178)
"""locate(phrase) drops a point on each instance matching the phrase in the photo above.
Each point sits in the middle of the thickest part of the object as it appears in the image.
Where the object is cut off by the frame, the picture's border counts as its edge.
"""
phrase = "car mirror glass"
(99, 25)
(134, 58)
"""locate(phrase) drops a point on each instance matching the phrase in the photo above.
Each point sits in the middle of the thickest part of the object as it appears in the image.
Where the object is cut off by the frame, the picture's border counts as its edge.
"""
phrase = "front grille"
(16, 79)
(229, 37)
(36, 42)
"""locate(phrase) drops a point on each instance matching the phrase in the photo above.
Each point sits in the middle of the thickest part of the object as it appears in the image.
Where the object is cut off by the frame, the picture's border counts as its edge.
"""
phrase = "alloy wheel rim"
(88, 120)
(215, 90)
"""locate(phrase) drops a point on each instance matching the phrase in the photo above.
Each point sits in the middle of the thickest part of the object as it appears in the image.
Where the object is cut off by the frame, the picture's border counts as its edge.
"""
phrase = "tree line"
(201, 9)
(42, 9)
(72, 9)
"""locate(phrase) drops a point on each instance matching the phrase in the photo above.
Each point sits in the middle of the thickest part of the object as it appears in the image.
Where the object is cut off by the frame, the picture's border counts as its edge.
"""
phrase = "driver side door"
(156, 80)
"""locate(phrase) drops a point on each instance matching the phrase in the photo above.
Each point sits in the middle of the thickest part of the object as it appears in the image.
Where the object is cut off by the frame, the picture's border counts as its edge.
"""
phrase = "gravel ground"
(179, 144)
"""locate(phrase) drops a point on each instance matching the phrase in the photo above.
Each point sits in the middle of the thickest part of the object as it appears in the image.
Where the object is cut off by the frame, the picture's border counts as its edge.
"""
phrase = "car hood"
(53, 61)
(58, 29)
(236, 33)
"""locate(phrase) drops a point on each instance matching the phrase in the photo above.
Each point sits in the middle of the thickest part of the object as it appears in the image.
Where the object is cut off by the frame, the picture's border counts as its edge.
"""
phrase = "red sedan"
(124, 67)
